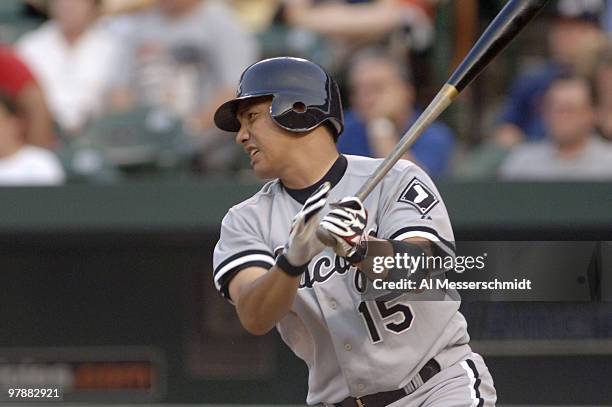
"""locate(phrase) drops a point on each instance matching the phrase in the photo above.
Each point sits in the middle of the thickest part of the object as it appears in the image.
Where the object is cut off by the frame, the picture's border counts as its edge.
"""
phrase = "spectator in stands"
(22, 164)
(17, 81)
(186, 56)
(574, 40)
(109, 7)
(74, 61)
(572, 150)
(603, 88)
(607, 17)
(256, 15)
(383, 101)
(364, 20)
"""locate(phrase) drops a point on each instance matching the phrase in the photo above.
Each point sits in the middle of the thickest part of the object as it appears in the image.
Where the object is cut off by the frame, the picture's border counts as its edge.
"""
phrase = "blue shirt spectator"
(574, 39)
(382, 99)
(523, 108)
(433, 150)
(607, 17)
(571, 150)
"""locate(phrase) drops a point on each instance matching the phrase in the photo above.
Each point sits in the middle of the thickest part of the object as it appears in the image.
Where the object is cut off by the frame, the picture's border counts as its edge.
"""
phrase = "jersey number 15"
(402, 323)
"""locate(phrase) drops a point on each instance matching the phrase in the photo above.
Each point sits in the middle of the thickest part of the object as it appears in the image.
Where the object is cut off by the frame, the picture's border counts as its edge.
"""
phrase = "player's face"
(568, 112)
(267, 145)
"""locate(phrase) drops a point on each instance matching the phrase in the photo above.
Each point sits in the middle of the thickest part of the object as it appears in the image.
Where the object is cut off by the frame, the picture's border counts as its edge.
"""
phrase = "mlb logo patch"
(419, 195)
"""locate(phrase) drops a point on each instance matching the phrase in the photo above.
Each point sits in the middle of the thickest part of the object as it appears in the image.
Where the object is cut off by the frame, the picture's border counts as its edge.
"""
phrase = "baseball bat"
(515, 15)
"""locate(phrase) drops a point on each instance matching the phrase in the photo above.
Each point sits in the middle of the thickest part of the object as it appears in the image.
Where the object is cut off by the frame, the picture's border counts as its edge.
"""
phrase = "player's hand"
(303, 242)
(346, 222)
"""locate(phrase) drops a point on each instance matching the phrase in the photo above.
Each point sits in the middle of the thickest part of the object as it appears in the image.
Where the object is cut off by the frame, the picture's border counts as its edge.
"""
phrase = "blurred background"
(114, 181)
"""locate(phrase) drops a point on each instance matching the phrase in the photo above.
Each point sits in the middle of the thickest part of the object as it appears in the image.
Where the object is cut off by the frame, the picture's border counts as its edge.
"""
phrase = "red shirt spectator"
(427, 6)
(14, 75)
(17, 81)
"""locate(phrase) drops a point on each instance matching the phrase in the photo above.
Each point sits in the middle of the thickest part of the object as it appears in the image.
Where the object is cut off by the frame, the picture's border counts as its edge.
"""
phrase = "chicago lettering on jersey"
(322, 269)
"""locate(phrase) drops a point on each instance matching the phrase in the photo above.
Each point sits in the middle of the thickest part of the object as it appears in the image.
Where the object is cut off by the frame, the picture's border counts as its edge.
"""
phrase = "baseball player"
(270, 264)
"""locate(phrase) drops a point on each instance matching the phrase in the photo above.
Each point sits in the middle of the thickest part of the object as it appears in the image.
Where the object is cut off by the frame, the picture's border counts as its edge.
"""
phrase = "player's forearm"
(384, 248)
(381, 248)
(266, 300)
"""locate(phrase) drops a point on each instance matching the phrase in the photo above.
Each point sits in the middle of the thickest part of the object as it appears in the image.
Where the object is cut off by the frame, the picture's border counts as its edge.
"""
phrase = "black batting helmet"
(304, 95)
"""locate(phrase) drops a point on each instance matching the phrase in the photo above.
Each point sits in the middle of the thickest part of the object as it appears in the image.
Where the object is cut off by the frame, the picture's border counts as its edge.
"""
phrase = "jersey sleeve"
(241, 245)
(411, 206)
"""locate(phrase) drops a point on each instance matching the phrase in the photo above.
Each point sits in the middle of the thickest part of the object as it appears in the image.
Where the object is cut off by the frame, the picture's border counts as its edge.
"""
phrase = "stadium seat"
(143, 140)
(10, 8)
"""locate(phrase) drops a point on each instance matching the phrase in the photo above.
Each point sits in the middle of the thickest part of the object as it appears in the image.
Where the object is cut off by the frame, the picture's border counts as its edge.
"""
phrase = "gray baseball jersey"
(352, 347)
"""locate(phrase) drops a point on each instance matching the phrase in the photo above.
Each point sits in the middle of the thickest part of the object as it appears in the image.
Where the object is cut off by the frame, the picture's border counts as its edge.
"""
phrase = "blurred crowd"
(105, 90)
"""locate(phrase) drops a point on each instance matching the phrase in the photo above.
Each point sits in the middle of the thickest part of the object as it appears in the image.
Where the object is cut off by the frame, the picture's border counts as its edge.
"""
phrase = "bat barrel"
(502, 30)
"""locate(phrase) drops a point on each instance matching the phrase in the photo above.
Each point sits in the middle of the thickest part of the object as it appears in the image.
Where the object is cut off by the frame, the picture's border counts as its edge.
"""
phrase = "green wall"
(129, 266)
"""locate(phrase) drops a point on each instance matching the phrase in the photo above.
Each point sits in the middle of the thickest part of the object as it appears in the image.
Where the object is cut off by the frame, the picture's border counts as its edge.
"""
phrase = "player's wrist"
(359, 251)
(285, 265)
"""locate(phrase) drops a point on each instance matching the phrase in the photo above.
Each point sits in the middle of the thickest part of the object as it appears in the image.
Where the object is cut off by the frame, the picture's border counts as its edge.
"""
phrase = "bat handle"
(442, 100)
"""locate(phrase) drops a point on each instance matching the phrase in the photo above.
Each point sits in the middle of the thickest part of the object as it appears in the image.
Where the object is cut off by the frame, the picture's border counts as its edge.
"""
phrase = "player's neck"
(308, 169)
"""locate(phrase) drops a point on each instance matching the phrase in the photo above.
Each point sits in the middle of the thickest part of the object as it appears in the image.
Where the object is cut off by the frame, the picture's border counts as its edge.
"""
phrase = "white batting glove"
(346, 222)
(303, 242)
